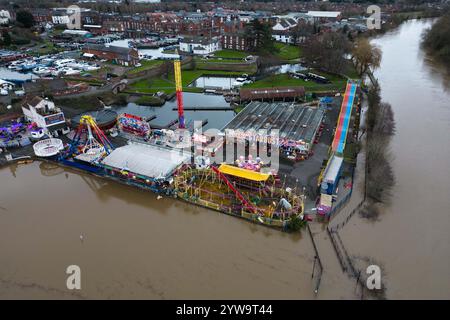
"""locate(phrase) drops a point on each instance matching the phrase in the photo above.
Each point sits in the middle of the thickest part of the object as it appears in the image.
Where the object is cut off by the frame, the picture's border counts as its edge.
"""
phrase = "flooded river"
(135, 246)
(412, 239)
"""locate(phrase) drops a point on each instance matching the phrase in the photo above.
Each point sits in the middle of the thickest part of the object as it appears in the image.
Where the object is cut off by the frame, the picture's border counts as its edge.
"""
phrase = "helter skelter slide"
(340, 135)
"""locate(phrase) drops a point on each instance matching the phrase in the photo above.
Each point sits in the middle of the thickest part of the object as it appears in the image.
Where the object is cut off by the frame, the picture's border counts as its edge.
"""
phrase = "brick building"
(118, 55)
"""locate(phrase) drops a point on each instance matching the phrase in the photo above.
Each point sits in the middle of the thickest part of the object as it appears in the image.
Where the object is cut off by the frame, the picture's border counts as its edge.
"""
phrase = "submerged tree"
(380, 178)
(437, 39)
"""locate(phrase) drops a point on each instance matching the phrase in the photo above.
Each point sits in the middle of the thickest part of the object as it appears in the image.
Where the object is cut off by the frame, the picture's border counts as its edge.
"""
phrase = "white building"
(5, 17)
(281, 31)
(60, 17)
(325, 15)
(46, 115)
(284, 24)
(65, 15)
(200, 45)
(282, 36)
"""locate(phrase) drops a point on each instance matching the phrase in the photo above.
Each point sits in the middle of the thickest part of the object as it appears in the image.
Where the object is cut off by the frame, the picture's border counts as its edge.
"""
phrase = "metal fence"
(316, 258)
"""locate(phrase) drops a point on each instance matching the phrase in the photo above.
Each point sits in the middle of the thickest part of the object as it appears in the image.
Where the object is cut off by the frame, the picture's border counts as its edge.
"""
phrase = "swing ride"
(89, 144)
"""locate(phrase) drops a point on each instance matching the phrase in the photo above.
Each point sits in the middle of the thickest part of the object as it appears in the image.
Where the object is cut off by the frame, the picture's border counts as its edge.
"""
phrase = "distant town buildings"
(237, 41)
(204, 31)
(325, 15)
(4, 16)
(199, 45)
(119, 55)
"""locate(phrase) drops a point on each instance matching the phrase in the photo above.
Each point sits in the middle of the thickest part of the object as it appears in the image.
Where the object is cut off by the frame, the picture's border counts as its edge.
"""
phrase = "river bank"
(414, 246)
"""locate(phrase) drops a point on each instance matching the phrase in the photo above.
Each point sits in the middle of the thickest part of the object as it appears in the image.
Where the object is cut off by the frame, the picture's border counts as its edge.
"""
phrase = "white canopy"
(146, 160)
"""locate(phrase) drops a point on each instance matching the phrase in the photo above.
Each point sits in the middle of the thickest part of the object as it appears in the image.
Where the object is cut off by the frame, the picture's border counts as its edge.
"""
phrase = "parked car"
(241, 81)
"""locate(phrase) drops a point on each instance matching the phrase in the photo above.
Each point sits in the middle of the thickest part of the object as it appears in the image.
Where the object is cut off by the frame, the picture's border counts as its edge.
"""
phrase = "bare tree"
(327, 51)
(365, 55)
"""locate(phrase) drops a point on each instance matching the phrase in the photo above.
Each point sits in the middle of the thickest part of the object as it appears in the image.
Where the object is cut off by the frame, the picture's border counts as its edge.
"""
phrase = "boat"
(240, 82)
(25, 161)
(42, 71)
(69, 71)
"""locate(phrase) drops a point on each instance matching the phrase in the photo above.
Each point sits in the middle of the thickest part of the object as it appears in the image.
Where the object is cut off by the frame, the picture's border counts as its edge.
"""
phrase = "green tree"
(25, 18)
(437, 39)
(260, 36)
(6, 38)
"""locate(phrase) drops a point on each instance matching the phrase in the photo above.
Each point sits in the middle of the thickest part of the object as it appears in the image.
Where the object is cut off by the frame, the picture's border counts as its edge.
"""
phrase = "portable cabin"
(331, 176)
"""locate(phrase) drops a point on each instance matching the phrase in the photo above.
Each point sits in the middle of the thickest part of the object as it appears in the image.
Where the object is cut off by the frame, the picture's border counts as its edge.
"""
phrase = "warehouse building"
(298, 125)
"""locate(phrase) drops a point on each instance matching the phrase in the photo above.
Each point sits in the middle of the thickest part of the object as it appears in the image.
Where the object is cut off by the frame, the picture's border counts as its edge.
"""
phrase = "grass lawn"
(146, 65)
(287, 51)
(150, 101)
(102, 71)
(48, 49)
(350, 71)
(227, 53)
(208, 65)
(216, 60)
(91, 81)
(410, 14)
(284, 80)
(168, 85)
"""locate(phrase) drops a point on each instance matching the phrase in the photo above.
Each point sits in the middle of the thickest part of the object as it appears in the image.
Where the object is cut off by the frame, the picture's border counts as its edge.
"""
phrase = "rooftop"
(294, 122)
(243, 173)
(114, 49)
(324, 14)
(333, 168)
(199, 40)
(270, 93)
(146, 160)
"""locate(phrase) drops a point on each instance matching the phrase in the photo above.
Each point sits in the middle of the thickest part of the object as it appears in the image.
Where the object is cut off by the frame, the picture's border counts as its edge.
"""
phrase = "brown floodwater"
(411, 239)
(135, 246)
